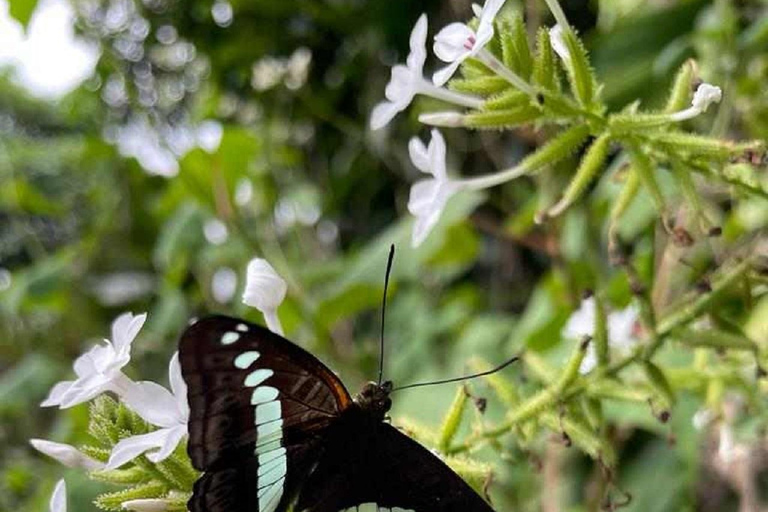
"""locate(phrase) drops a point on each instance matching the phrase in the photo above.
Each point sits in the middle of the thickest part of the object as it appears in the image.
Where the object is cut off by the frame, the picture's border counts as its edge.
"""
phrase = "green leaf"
(481, 86)
(580, 72)
(22, 10)
(516, 52)
(499, 119)
(545, 66)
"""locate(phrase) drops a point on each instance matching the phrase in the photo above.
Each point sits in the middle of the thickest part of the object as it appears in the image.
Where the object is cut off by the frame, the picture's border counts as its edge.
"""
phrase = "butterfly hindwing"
(258, 408)
(381, 469)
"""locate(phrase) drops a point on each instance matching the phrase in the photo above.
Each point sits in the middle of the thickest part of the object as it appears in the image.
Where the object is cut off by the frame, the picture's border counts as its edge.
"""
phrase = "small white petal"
(621, 327)
(65, 454)
(705, 95)
(83, 390)
(172, 438)
(125, 329)
(582, 322)
(146, 505)
(477, 10)
(209, 135)
(264, 289)
(557, 41)
(437, 154)
(418, 46)
(422, 195)
(453, 42)
(485, 27)
(58, 501)
(419, 154)
(178, 386)
(131, 447)
(153, 403)
(445, 74)
(589, 361)
(382, 114)
(56, 393)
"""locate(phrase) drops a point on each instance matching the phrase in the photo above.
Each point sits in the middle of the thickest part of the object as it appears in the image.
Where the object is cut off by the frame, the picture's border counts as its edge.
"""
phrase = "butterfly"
(273, 429)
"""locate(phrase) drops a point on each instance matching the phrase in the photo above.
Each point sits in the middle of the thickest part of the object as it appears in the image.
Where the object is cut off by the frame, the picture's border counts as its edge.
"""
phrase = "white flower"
(429, 197)
(146, 505)
(705, 95)
(98, 370)
(158, 406)
(557, 41)
(457, 42)
(265, 290)
(66, 454)
(58, 501)
(406, 80)
(620, 326)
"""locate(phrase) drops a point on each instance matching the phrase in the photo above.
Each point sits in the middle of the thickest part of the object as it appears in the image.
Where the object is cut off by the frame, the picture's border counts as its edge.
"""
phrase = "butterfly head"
(374, 398)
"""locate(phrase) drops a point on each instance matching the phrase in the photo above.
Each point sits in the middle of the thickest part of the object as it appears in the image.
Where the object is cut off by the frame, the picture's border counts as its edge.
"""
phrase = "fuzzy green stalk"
(600, 338)
(452, 419)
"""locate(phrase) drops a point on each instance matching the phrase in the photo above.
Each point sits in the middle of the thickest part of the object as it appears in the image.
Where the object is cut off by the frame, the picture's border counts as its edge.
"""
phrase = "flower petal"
(84, 389)
(418, 44)
(485, 28)
(705, 95)
(445, 74)
(66, 454)
(400, 90)
(153, 403)
(125, 329)
(382, 114)
(58, 501)
(131, 447)
(451, 42)
(264, 289)
(557, 41)
(437, 152)
(419, 154)
(621, 327)
(582, 322)
(178, 387)
(56, 393)
(423, 194)
(172, 438)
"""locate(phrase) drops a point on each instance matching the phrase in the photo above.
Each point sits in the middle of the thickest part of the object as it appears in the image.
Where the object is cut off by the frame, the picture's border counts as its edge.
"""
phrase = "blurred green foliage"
(86, 232)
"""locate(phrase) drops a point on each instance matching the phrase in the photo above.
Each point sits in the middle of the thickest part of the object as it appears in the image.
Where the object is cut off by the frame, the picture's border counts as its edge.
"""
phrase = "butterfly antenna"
(384, 310)
(459, 379)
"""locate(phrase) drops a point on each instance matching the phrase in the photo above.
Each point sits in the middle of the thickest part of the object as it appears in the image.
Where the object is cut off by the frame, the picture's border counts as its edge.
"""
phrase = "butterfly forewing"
(258, 407)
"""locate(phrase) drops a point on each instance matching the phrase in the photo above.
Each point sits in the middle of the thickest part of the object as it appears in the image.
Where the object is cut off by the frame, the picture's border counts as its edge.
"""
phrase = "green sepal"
(498, 119)
(680, 92)
(113, 501)
(592, 162)
(480, 86)
(698, 145)
(659, 383)
(452, 419)
(582, 435)
(515, 50)
(545, 67)
(600, 338)
(560, 147)
(509, 99)
(130, 476)
(715, 339)
(580, 73)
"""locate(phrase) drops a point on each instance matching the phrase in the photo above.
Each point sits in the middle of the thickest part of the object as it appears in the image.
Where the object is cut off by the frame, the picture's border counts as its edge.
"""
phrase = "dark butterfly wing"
(379, 469)
(258, 408)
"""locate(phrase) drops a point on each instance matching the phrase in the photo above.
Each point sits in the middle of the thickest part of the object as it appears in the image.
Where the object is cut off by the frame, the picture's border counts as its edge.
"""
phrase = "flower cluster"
(100, 370)
(511, 86)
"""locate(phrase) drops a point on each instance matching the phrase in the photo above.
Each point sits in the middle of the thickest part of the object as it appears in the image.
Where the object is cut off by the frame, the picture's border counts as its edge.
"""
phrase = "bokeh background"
(150, 148)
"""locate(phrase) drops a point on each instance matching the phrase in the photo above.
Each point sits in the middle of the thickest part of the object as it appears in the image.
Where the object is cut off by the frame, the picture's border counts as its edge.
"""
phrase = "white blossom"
(620, 326)
(99, 369)
(265, 290)
(406, 79)
(58, 501)
(705, 95)
(168, 410)
(457, 42)
(429, 196)
(66, 454)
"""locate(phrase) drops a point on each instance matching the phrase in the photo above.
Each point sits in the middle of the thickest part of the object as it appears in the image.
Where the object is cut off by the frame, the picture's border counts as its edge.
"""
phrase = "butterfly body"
(273, 429)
